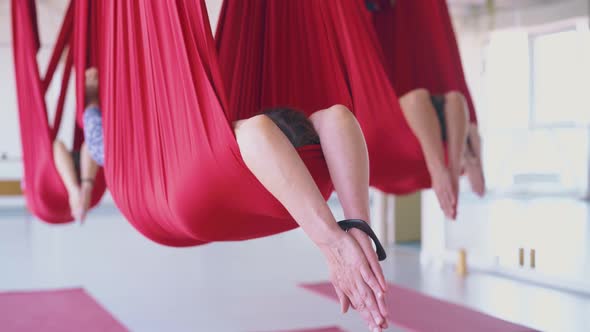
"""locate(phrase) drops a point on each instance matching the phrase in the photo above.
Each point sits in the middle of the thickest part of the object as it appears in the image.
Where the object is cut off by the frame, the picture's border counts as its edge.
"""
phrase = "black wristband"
(362, 225)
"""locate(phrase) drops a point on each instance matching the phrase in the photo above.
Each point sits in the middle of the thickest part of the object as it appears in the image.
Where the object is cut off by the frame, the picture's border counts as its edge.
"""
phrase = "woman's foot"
(74, 202)
(442, 183)
(84, 200)
(474, 170)
(455, 172)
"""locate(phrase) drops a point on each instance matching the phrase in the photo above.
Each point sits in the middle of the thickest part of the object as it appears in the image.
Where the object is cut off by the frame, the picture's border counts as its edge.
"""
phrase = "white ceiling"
(500, 3)
(50, 15)
(51, 12)
(482, 2)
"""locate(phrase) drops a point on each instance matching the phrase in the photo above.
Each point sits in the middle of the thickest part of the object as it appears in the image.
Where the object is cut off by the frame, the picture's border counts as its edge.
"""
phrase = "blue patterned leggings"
(93, 134)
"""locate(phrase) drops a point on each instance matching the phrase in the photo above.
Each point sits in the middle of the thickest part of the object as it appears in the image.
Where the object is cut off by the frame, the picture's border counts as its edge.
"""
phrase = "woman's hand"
(357, 277)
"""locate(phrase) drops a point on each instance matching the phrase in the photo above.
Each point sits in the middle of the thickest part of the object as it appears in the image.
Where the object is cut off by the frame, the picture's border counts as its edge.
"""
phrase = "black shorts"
(438, 101)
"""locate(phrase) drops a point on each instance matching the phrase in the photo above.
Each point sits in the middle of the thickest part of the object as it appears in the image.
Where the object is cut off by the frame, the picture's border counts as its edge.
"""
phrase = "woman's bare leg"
(67, 171)
(421, 117)
(285, 176)
(88, 170)
(472, 162)
(456, 119)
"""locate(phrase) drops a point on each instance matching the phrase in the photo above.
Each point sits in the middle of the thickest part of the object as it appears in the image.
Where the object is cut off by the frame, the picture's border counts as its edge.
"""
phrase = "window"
(560, 77)
(537, 112)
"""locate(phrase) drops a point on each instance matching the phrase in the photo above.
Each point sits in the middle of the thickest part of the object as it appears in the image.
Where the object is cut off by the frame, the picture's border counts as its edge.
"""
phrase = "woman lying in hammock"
(355, 270)
(440, 119)
(78, 169)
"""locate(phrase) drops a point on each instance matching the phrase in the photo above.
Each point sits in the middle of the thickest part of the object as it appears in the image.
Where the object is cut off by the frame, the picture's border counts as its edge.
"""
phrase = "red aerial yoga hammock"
(311, 55)
(171, 159)
(419, 46)
(45, 193)
(172, 162)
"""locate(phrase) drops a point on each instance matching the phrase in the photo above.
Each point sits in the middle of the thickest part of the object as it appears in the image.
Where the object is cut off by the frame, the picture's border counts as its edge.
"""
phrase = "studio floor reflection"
(248, 286)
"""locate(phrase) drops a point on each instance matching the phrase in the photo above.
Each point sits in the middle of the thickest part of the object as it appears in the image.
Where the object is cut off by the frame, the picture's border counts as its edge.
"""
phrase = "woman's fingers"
(354, 280)
(367, 247)
(452, 196)
(445, 203)
(376, 267)
(358, 305)
(366, 315)
(368, 302)
(372, 282)
(372, 273)
(344, 301)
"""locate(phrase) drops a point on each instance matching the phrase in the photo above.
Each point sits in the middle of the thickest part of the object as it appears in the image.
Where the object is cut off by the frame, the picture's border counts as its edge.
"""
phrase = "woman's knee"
(59, 146)
(255, 129)
(455, 97)
(415, 98)
(457, 102)
(336, 114)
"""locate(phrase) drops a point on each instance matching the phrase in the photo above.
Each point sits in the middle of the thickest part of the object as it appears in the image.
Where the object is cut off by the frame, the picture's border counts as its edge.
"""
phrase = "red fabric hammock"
(311, 55)
(420, 48)
(172, 162)
(45, 193)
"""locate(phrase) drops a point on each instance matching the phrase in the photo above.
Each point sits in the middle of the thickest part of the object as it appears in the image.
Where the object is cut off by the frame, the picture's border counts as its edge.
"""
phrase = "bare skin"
(65, 167)
(88, 168)
(472, 162)
(354, 269)
(421, 117)
(79, 190)
(457, 119)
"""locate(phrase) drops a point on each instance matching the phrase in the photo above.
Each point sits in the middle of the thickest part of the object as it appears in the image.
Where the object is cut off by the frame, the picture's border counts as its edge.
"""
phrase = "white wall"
(9, 138)
(50, 15)
(473, 33)
(485, 238)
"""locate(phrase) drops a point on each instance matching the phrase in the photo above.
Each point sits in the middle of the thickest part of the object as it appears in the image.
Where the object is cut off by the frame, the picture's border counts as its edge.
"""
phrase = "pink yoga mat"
(68, 310)
(322, 329)
(417, 312)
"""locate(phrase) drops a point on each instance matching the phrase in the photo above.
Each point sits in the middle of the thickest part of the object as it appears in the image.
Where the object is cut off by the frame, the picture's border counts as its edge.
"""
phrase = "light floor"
(556, 228)
(234, 287)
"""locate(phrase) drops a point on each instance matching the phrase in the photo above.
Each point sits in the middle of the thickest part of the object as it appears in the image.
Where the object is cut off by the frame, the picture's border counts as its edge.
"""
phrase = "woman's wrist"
(326, 235)
(359, 235)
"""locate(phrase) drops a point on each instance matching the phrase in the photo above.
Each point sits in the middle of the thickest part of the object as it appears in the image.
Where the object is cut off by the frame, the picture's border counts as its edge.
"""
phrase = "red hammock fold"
(420, 48)
(313, 54)
(172, 162)
(45, 193)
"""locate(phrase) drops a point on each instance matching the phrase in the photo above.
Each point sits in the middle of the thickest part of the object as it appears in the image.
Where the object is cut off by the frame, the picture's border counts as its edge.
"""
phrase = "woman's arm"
(285, 176)
(91, 156)
(345, 150)
(88, 170)
(66, 167)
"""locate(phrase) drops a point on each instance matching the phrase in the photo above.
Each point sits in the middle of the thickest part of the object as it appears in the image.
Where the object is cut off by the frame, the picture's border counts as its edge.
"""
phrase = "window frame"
(573, 25)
